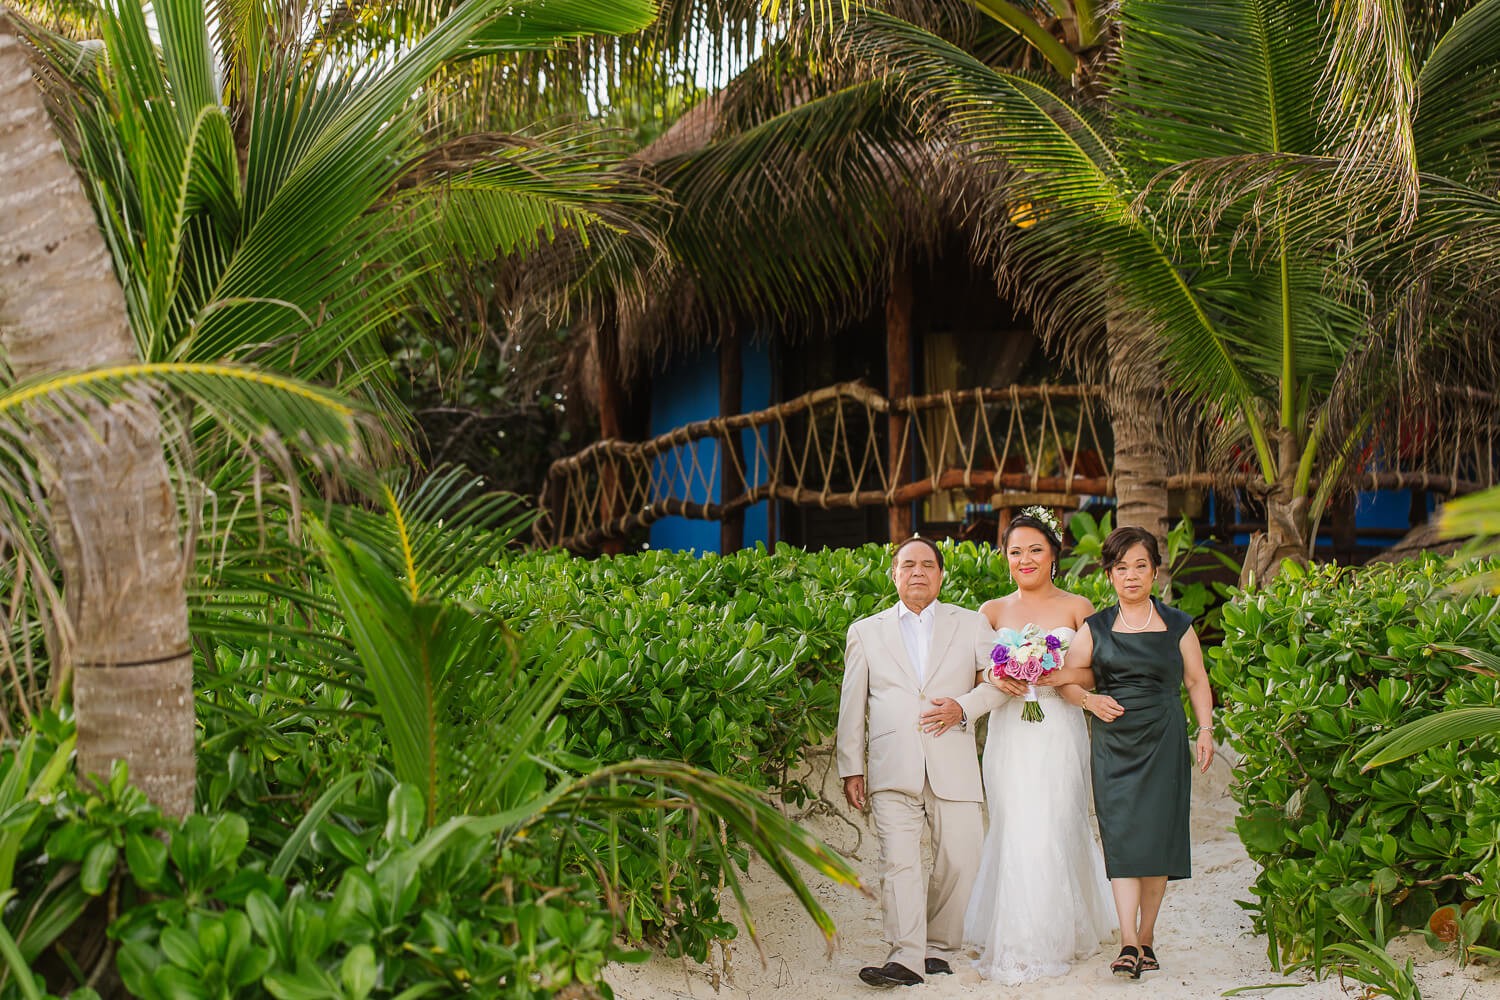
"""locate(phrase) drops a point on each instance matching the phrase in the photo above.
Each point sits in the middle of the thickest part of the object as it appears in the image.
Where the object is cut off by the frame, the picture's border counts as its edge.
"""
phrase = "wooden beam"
(898, 348)
(1019, 482)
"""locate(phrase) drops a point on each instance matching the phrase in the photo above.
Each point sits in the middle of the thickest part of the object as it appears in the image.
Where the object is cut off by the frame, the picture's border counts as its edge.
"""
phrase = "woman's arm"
(1200, 696)
(1062, 676)
(1080, 659)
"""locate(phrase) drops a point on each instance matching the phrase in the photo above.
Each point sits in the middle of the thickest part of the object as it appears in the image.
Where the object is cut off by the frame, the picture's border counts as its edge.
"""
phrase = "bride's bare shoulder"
(1079, 607)
(994, 609)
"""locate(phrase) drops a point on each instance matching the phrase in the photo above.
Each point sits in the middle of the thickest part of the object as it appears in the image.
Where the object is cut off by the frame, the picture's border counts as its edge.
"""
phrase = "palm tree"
(1222, 218)
(281, 229)
(61, 308)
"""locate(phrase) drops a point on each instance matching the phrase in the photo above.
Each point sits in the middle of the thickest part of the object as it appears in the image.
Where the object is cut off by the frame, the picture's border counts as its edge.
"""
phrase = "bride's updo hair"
(1027, 520)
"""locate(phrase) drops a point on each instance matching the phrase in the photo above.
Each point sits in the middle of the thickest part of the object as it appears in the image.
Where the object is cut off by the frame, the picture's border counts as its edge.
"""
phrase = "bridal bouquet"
(1025, 655)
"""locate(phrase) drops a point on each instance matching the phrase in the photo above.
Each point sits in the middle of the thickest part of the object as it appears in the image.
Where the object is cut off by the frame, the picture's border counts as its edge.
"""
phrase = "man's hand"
(947, 714)
(854, 791)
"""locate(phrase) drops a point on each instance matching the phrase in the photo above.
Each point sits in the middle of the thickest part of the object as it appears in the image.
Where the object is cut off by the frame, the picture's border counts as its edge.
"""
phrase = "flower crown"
(1045, 516)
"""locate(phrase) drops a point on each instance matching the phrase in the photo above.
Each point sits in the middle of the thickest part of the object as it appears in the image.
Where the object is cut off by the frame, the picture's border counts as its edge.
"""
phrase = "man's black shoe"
(889, 974)
(938, 967)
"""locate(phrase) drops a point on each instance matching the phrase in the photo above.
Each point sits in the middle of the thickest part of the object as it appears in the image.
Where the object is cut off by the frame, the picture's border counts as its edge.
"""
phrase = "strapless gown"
(1041, 900)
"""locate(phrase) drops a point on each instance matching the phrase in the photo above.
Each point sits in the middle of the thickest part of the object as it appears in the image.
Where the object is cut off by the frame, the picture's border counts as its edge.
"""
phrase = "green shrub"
(383, 906)
(1310, 670)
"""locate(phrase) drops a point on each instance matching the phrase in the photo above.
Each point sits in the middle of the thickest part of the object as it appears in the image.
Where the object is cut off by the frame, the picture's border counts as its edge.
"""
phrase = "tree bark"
(898, 304)
(1287, 523)
(1134, 397)
(113, 515)
(731, 400)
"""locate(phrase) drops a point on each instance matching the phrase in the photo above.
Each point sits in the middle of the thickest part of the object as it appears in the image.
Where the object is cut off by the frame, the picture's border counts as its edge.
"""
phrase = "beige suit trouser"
(926, 923)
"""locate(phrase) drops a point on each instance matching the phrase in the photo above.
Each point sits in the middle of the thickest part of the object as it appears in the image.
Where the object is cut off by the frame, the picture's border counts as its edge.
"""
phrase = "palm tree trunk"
(113, 515)
(1134, 399)
(1287, 534)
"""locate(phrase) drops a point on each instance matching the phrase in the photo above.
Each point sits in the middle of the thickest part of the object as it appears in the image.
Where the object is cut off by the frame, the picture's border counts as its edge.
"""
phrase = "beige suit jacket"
(882, 700)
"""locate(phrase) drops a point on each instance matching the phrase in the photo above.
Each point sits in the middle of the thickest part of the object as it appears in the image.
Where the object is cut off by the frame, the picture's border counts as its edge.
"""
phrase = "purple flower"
(1000, 655)
(1053, 643)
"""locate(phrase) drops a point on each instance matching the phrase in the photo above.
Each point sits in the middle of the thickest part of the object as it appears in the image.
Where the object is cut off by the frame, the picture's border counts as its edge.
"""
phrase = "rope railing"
(827, 448)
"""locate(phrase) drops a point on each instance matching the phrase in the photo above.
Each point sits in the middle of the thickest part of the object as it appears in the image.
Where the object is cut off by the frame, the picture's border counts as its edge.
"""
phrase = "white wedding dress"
(1041, 900)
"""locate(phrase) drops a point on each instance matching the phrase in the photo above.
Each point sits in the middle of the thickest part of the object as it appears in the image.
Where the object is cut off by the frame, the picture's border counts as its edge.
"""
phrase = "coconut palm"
(282, 229)
(1222, 218)
(1265, 247)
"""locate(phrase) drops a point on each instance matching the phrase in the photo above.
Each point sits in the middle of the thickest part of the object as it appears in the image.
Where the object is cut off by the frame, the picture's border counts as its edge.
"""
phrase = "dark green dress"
(1142, 770)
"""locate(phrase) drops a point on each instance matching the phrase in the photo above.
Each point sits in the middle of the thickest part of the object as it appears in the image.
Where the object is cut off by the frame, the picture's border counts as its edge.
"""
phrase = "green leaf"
(281, 865)
(405, 812)
(180, 948)
(14, 961)
(357, 971)
(1434, 730)
(98, 866)
(146, 857)
(227, 840)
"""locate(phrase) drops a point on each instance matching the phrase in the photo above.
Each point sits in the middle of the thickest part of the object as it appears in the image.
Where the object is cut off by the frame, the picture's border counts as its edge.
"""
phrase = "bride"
(1041, 900)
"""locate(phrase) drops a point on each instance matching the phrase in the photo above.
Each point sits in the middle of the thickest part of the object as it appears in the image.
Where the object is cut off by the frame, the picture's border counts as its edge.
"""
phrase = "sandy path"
(1205, 942)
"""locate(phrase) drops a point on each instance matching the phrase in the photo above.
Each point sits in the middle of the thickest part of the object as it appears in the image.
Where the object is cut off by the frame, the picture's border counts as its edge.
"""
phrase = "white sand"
(1203, 936)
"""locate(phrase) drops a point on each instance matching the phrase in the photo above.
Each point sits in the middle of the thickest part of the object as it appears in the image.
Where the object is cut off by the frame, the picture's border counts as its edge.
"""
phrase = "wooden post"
(898, 304)
(611, 420)
(731, 449)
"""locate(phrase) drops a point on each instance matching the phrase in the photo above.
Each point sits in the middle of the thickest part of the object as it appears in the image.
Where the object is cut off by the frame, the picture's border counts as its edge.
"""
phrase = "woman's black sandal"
(1128, 965)
(1148, 959)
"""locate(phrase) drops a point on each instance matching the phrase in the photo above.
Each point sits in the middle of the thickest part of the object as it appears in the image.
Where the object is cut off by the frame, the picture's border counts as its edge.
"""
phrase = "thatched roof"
(894, 201)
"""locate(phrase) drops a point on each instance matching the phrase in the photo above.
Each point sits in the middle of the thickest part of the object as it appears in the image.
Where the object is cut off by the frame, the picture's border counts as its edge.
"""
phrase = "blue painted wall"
(687, 391)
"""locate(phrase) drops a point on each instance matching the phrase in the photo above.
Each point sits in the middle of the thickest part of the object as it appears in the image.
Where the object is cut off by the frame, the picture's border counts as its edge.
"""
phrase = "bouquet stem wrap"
(1031, 711)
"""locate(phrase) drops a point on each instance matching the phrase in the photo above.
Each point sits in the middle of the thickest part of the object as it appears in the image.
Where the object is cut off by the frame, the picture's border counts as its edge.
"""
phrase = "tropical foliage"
(1224, 221)
(1265, 248)
(1310, 670)
(429, 765)
(389, 790)
(268, 204)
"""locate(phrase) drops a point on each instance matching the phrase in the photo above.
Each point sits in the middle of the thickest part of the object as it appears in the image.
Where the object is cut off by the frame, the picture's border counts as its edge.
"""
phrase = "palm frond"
(1264, 59)
(664, 786)
(421, 657)
(1371, 85)
(817, 197)
(1456, 124)
(296, 262)
(1421, 735)
(1064, 210)
(509, 194)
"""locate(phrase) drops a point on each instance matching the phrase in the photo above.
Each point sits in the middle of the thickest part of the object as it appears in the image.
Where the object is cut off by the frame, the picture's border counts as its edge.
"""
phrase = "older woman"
(1137, 654)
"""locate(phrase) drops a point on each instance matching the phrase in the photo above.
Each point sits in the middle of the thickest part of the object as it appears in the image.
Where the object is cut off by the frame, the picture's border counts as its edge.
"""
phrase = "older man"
(909, 694)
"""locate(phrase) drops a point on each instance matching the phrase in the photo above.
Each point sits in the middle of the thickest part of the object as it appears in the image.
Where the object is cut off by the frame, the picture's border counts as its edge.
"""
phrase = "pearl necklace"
(1150, 612)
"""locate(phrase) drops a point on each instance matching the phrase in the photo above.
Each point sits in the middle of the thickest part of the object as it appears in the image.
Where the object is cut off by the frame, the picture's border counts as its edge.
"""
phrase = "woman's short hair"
(937, 553)
(1122, 540)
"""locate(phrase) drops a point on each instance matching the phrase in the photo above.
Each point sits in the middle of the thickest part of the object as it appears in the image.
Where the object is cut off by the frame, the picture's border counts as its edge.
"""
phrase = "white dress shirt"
(916, 635)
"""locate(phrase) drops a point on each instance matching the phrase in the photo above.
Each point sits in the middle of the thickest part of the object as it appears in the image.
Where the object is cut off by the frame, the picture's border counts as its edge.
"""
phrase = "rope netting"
(830, 448)
(1009, 446)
